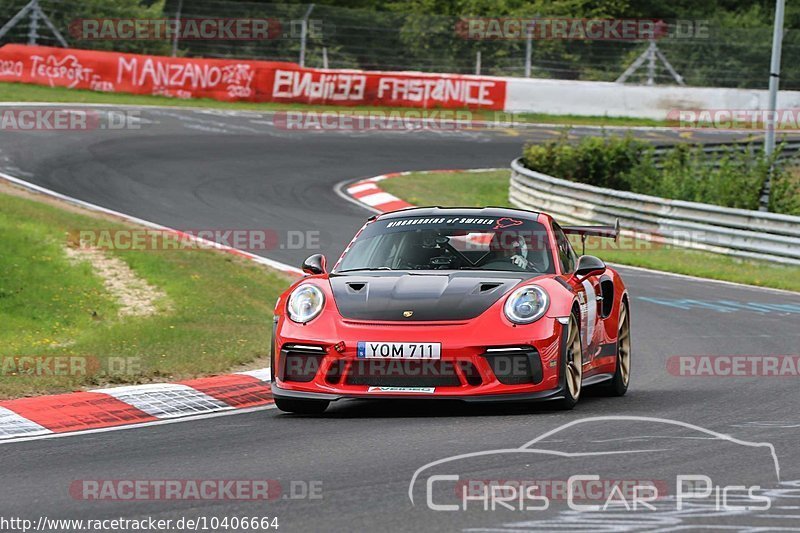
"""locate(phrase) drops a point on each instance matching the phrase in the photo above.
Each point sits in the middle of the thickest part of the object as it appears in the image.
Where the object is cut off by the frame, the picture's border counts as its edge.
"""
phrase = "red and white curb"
(367, 192)
(136, 404)
(45, 416)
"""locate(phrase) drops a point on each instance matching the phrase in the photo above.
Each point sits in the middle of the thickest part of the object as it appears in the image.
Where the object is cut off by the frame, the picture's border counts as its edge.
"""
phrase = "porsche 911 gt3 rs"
(473, 304)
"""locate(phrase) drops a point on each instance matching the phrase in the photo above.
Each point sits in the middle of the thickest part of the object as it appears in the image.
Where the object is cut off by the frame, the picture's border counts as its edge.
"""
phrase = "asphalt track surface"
(194, 169)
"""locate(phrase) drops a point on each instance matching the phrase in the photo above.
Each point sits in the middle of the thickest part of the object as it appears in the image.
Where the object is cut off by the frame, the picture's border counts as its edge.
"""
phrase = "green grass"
(216, 314)
(19, 92)
(491, 188)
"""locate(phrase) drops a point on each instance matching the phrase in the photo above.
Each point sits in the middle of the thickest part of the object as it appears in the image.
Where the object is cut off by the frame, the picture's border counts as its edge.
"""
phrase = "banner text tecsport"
(243, 80)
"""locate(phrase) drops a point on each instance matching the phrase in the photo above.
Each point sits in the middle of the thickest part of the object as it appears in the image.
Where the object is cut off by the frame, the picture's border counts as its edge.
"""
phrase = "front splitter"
(548, 395)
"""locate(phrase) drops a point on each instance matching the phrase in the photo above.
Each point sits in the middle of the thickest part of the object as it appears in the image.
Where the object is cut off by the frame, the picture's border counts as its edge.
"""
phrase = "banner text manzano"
(244, 80)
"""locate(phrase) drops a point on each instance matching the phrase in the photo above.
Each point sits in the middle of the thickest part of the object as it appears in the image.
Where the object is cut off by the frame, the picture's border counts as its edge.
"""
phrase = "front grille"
(380, 324)
(515, 365)
(334, 374)
(300, 363)
(471, 373)
(402, 373)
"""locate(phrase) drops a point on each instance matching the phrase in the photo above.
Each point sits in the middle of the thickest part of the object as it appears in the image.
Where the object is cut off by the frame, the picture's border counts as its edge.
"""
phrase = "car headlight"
(305, 303)
(526, 304)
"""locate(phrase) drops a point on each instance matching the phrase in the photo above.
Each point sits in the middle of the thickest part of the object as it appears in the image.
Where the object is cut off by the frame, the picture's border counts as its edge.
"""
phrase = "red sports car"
(457, 303)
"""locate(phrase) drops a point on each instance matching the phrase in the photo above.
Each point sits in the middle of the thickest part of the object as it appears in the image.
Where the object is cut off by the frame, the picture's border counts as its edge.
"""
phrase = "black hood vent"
(356, 287)
(407, 297)
(485, 287)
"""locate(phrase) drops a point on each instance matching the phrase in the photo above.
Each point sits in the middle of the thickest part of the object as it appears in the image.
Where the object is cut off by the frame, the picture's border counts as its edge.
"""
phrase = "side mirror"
(315, 264)
(589, 265)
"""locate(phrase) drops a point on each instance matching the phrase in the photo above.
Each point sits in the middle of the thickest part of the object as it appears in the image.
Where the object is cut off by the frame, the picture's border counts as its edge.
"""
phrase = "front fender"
(562, 297)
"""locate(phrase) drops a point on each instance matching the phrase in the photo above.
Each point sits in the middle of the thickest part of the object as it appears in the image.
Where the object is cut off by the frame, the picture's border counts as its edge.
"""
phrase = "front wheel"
(301, 407)
(618, 385)
(572, 365)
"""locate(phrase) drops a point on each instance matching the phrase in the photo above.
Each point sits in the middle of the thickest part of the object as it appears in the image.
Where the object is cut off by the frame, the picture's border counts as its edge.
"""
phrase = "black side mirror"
(315, 264)
(589, 265)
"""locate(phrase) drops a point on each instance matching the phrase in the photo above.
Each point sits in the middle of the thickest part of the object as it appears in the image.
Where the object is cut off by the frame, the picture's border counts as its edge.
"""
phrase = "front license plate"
(399, 350)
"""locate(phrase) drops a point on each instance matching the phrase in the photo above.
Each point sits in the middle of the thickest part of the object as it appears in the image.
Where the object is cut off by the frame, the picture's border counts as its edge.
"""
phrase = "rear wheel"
(572, 365)
(301, 407)
(618, 385)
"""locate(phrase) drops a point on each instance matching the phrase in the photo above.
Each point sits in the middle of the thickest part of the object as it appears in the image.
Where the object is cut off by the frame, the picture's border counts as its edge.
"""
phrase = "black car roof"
(459, 211)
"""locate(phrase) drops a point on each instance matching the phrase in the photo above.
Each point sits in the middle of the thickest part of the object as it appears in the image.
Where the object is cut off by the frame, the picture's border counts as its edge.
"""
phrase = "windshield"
(451, 243)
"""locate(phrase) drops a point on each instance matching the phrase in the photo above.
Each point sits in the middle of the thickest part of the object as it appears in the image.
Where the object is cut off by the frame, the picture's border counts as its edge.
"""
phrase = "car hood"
(390, 296)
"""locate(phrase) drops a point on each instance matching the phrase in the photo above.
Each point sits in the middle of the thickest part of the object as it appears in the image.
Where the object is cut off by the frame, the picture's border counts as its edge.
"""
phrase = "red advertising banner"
(397, 89)
(242, 80)
(220, 79)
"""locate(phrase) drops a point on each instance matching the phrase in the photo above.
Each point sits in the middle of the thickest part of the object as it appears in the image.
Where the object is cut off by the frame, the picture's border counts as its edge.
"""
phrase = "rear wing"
(609, 232)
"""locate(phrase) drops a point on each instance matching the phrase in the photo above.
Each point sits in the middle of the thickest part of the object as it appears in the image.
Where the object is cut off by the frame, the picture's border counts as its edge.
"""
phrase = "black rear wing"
(608, 232)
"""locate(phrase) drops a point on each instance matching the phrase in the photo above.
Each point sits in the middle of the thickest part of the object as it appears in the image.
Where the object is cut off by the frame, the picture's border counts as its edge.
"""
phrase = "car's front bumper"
(479, 362)
(555, 394)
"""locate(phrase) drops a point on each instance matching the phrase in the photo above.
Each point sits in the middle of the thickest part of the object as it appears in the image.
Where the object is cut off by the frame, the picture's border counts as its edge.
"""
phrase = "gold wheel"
(624, 346)
(574, 375)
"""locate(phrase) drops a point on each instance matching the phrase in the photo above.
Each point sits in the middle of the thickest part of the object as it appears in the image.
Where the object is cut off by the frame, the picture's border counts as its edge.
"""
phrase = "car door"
(587, 292)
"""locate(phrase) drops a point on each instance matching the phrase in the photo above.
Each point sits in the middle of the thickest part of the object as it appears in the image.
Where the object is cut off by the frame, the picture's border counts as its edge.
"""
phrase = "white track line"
(705, 280)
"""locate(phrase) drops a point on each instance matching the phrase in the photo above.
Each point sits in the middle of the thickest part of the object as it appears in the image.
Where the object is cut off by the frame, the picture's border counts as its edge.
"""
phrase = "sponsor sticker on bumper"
(413, 390)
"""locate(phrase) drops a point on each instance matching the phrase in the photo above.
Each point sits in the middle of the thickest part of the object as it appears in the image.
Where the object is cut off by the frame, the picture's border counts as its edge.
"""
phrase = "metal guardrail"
(737, 232)
(790, 149)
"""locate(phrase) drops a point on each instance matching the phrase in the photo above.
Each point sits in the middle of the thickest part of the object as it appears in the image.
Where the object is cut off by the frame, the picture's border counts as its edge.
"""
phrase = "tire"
(572, 370)
(302, 407)
(618, 385)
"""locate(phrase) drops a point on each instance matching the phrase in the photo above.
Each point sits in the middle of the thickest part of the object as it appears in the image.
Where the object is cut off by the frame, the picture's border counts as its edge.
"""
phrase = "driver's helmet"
(509, 243)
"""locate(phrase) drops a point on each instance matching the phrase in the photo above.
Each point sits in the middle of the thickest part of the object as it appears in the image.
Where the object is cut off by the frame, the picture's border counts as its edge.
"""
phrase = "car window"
(451, 243)
(566, 255)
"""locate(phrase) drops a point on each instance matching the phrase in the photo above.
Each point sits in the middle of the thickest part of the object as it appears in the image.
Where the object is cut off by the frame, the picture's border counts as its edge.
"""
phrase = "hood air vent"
(356, 287)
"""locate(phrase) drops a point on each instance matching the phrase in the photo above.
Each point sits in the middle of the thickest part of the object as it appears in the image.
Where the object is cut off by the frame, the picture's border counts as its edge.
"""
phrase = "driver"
(512, 247)
(518, 252)
(423, 247)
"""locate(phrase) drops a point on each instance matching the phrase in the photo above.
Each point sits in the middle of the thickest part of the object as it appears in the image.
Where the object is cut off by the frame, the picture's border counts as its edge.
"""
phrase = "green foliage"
(600, 161)
(731, 178)
(733, 50)
(785, 196)
(118, 9)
